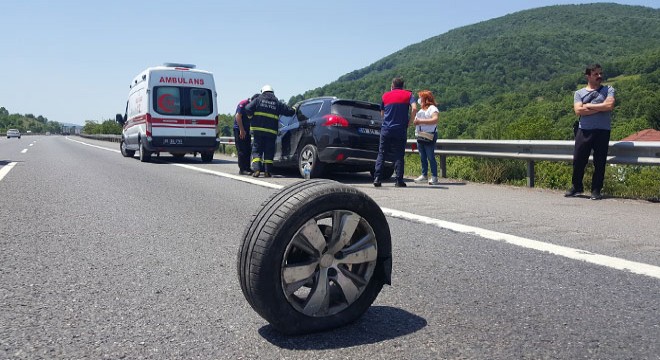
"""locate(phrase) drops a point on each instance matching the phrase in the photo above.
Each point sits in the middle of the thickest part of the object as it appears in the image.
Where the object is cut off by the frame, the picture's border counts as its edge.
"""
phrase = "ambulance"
(170, 109)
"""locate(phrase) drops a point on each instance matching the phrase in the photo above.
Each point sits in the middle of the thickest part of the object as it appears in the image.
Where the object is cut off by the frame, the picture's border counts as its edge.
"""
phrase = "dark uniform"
(265, 111)
(244, 145)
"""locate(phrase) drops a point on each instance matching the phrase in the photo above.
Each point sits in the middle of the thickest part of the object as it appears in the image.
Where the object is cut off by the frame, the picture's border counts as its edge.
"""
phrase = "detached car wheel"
(315, 256)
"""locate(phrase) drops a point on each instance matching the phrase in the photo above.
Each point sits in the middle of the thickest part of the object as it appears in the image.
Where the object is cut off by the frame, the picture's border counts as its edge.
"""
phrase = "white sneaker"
(433, 180)
(420, 179)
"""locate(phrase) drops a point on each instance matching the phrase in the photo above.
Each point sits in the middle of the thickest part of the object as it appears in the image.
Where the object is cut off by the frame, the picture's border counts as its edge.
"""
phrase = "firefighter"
(265, 113)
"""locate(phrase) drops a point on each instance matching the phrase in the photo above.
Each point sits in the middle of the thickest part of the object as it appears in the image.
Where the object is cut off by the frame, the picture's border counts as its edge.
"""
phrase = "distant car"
(330, 134)
(13, 133)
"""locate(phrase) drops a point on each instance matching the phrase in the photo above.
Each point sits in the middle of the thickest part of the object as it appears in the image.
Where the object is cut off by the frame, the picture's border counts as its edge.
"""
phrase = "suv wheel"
(309, 155)
(315, 256)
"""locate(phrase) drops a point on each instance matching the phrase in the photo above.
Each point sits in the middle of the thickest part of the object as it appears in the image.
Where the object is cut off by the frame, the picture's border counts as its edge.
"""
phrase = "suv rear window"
(356, 109)
(172, 100)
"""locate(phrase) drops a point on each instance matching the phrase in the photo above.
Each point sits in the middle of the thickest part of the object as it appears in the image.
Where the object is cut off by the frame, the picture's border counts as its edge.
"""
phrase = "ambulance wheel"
(145, 155)
(125, 152)
(309, 155)
(207, 156)
(178, 156)
(315, 256)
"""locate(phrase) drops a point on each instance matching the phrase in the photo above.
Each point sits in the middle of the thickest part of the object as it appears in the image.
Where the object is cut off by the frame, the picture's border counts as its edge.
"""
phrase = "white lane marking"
(24, 151)
(31, 144)
(235, 177)
(94, 146)
(6, 169)
(571, 253)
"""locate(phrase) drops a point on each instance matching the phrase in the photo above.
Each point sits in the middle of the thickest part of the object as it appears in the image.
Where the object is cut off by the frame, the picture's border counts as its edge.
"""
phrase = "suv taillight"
(334, 120)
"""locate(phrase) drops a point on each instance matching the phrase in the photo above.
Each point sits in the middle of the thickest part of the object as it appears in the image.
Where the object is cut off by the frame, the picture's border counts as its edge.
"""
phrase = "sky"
(72, 61)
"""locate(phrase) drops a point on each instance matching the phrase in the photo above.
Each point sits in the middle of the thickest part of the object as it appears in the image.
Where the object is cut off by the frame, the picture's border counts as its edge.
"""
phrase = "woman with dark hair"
(426, 132)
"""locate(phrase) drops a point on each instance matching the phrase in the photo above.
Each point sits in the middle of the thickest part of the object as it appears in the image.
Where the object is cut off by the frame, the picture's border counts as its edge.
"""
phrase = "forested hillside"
(513, 77)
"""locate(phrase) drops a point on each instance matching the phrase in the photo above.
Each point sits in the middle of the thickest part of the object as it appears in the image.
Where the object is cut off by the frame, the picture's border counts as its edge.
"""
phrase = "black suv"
(330, 134)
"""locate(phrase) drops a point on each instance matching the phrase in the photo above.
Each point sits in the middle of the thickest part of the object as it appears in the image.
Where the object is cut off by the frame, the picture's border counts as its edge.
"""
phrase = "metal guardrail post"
(443, 166)
(530, 173)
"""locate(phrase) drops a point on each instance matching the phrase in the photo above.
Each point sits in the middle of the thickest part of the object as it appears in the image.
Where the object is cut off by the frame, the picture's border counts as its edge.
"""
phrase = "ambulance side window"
(168, 100)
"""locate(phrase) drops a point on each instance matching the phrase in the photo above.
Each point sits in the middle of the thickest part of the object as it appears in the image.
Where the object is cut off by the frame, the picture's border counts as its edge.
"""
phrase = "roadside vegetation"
(28, 122)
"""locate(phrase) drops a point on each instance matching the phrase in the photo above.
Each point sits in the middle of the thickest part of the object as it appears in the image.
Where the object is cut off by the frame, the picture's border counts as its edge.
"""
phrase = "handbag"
(425, 137)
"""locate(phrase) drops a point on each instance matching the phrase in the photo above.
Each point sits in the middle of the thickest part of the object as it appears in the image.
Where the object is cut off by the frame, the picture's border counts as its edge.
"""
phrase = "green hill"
(513, 77)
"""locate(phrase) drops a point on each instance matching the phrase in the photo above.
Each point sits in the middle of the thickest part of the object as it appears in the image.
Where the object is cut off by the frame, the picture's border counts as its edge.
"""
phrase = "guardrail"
(620, 152)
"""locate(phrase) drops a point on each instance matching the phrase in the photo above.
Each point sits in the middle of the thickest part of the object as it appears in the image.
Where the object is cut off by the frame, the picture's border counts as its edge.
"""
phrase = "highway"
(103, 256)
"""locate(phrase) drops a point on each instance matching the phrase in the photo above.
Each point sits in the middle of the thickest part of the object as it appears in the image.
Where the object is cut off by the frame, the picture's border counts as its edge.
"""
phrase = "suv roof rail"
(321, 97)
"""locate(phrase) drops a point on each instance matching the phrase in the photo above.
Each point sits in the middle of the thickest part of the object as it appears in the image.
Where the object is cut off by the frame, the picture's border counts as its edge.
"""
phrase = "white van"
(171, 108)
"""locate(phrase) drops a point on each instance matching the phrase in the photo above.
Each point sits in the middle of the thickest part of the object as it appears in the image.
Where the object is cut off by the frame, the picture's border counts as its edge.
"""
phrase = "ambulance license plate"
(172, 141)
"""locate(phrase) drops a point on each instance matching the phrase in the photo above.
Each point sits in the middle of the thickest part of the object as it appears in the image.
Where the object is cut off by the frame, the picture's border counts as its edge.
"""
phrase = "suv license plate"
(172, 141)
(369, 131)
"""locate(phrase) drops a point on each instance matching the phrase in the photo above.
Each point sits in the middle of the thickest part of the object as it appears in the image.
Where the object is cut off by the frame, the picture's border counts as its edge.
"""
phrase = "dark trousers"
(243, 150)
(585, 141)
(263, 151)
(391, 149)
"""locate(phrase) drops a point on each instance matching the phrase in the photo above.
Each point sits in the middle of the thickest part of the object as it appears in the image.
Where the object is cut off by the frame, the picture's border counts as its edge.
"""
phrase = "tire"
(178, 156)
(145, 156)
(310, 155)
(386, 173)
(207, 156)
(280, 268)
(125, 152)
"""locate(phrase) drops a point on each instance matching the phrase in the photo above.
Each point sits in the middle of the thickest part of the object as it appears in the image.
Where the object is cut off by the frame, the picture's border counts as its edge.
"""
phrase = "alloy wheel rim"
(328, 263)
(307, 158)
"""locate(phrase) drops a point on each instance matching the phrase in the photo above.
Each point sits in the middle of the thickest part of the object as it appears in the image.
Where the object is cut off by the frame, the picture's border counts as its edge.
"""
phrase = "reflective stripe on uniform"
(268, 161)
(272, 116)
(254, 128)
(256, 160)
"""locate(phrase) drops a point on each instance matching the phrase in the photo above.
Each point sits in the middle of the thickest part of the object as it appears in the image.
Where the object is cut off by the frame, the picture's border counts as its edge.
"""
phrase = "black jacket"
(265, 111)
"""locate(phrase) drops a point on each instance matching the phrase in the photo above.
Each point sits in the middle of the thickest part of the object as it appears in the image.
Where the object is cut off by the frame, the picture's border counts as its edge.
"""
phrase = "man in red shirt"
(395, 109)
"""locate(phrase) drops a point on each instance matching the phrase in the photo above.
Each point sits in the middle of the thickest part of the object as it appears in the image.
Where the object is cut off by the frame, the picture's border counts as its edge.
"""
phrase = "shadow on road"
(378, 324)
(7, 162)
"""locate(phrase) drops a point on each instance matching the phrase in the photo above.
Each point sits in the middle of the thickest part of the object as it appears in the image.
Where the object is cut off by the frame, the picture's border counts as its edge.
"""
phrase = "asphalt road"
(106, 257)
